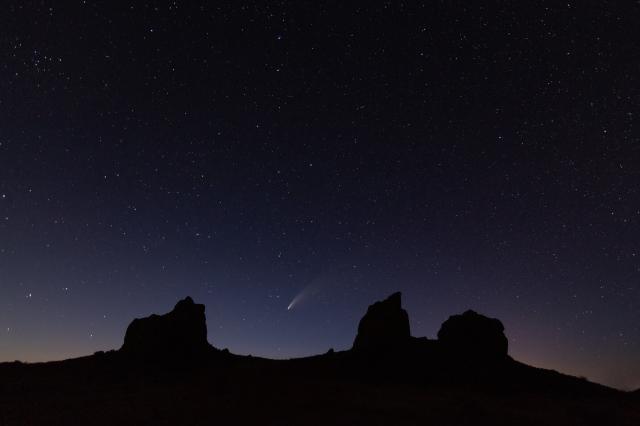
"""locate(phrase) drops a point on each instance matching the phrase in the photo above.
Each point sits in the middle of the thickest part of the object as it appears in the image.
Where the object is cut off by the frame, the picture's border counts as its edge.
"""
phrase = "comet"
(300, 297)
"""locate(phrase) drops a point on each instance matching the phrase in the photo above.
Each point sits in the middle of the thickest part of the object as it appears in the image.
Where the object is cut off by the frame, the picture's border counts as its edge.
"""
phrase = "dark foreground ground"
(325, 390)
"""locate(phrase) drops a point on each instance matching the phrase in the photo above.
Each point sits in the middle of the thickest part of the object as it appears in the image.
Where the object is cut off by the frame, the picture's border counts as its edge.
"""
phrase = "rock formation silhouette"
(167, 373)
(179, 334)
(474, 336)
(384, 329)
(384, 325)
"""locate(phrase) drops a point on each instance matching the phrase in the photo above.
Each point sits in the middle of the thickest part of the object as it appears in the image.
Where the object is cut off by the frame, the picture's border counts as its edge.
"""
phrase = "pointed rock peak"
(395, 300)
(186, 301)
(385, 324)
(187, 304)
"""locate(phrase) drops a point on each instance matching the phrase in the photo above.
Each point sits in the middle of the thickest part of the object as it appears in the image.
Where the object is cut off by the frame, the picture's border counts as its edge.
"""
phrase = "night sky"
(470, 156)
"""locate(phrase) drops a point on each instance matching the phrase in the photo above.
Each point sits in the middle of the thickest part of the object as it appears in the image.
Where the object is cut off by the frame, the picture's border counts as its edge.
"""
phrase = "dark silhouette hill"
(167, 373)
